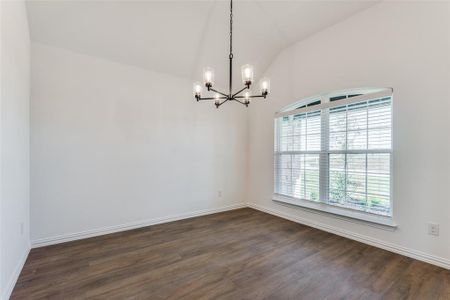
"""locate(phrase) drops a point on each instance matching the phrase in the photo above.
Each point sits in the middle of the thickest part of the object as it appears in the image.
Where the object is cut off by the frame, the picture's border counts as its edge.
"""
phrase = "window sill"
(339, 212)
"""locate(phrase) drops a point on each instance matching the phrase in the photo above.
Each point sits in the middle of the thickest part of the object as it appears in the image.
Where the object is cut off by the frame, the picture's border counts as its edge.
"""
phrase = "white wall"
(14, 108)
(404, 45)
(114, 144)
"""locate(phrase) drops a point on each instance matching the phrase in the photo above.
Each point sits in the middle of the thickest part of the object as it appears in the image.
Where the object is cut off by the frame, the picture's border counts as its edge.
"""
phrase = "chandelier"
(220, 98)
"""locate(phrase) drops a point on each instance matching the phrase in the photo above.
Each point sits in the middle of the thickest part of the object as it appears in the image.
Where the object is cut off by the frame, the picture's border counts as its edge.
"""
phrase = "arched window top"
(330, 97)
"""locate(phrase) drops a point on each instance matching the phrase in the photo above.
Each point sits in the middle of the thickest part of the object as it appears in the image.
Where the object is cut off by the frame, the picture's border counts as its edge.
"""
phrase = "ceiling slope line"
(312, 34)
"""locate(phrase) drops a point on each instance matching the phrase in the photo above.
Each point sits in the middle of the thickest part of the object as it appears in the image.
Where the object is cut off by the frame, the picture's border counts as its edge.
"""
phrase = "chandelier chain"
(231, 28)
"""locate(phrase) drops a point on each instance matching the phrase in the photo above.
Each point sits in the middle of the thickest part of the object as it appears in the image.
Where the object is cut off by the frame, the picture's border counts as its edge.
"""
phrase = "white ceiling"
(180, 37)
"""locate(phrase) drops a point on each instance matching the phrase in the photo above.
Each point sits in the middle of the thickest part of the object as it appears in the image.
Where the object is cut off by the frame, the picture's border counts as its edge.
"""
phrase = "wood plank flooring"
(240, 254)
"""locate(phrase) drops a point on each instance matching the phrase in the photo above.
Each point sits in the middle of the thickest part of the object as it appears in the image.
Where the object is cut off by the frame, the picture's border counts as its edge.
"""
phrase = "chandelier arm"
(211, 98)
(252, 96)
(219, 104)
(240, 101)
(243, 103)
(225, 95)
(238, 92)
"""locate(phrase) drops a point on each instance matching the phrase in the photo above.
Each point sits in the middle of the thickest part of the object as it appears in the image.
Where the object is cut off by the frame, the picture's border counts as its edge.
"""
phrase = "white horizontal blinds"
(360, 155)
(297, 150)
(337, 152)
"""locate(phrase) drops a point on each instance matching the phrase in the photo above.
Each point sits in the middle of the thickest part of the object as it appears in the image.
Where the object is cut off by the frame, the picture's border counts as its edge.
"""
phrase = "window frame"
(365, 94)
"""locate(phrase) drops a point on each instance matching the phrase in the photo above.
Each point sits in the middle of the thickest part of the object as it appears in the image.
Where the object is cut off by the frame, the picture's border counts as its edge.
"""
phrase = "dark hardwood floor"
(241, 254)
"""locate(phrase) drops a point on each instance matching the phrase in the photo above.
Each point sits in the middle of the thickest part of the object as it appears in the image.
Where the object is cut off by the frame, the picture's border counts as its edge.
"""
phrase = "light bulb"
(197, 89)
(265, 86)
(247, 74)
(217, 97)
(208, 76)
(247, 97)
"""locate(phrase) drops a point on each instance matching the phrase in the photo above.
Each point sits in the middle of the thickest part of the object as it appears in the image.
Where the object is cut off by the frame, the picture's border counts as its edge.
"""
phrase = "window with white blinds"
(297, 165)
(337, 152)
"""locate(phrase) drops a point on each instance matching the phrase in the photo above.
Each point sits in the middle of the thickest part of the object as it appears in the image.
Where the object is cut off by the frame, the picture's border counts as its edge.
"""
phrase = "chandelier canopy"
(220, 98)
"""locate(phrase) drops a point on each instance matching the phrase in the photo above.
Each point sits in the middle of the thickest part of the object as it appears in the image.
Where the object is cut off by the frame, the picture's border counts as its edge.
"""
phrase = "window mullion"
(367, 147)
(304, 156)
(346, 148)
(324, 156)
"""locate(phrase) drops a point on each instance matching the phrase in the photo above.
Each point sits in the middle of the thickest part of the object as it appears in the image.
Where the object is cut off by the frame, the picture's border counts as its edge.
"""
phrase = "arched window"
(333, 152)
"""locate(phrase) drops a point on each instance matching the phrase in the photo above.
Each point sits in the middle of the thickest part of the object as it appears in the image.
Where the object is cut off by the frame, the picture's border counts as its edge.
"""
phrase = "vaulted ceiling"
(180, 37)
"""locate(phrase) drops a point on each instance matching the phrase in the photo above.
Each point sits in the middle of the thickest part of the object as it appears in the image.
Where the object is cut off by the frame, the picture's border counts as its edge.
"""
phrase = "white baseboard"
(435, 260)
(15, 275)
(127, 226)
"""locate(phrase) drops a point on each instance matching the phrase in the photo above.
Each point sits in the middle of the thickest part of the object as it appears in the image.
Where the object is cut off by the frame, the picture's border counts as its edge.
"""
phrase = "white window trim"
(327, 104)
(336, 210)
(322, 206)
